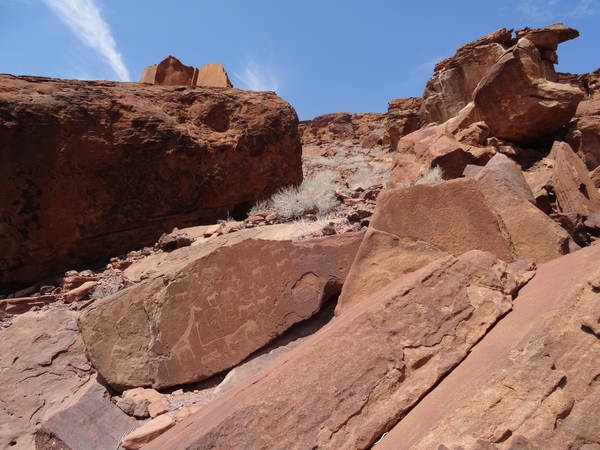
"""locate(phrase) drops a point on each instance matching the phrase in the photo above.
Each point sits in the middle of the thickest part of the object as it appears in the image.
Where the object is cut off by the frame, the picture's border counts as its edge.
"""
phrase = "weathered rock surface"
(212, 308)
(430, 147)
(147, 432)
(575, 191)
(518, 103)
(92, 169)
(451, 87)
(532, 233)
(172, 72)
(353, 379)
(588, 119)
(422, 221)
(92, 423)
(43, 370)
(403, 117)
(532, 382)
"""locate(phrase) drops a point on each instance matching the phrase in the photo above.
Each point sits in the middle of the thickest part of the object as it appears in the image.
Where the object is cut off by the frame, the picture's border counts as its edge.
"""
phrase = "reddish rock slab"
(92, 423)
(548, 38)
(212, 309)
(349, 382)
(403, 117)
(532, 234)
(21, 305)
(532, 380)
(575, 191)
(43, 370)
(518, 103)
(92, 169)
(413, 226)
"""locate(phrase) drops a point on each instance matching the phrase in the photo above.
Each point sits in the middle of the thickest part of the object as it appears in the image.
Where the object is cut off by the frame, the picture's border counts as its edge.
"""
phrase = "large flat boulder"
(43, 370)
(532, 233)
(212, 308)
(357, 376)
(421, 223)
(518, 103)
(532, 381)
(92, 169)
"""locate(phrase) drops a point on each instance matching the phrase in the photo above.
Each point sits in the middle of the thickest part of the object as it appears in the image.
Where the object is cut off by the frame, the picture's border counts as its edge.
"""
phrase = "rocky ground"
(432, 283)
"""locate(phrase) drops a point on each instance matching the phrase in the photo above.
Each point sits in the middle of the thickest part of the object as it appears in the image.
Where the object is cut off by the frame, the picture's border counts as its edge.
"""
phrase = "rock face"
(575, 191)
(212, 308)
(518, 103)
(93, 169)
(403, 118)
(532, 382)
(422, 222)
(588, 115)
(454, 79)
(348, 383)
(533, 234)
(43, 370)
(171, 72)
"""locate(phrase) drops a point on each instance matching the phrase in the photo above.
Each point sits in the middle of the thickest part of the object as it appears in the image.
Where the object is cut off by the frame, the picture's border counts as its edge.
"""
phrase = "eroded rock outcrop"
(532, 382)
(351, 381)
(366, 129)
(92, 169)
(172, 72)
(212, 307)
(517, 102)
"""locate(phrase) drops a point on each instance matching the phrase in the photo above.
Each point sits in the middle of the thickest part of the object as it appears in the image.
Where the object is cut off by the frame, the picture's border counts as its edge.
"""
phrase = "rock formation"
(92, 169)
(367, 129)
(350, 382)
(210, 307)
(171, 72)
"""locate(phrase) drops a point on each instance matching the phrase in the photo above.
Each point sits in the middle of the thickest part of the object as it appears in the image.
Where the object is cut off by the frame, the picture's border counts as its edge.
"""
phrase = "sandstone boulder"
(147, 432)
(532, 381)
(92, 169)
(518, 103)
(532, 233)
(429, 147)
(575, 191)
(454, 79)
(352, 380)
(171, 72)
(43, 370)
(588, 120)
(212, 308)
(548, 38)
(413, 226)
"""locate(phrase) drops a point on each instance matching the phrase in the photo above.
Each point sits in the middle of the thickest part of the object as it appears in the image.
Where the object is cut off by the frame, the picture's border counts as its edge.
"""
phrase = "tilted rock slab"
(575, 190)
(532, 382)
(43, 370)
(518, 103)
(414, 226)
(358, 375)
(92, 169)
(212, 309)
(403, 117)
(532, 233)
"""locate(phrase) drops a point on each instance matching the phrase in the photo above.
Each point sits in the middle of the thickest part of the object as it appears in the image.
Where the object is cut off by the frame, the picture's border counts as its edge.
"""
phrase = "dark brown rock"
(403, 118)
(211, 307)
(518, 103)
(121, 163)
(573, 224)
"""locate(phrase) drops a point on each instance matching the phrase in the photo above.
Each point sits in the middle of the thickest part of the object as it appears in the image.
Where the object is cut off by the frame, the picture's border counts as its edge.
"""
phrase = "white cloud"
(84, 20)
(258, 77)
(558, 10)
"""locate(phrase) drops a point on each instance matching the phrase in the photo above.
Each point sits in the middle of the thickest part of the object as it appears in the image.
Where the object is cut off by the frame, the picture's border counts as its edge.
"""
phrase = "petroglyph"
(206, 316)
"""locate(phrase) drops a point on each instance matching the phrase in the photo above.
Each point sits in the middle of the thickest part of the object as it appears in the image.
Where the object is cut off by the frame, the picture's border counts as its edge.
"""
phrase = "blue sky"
(321, 56)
